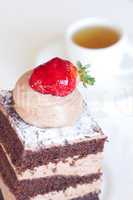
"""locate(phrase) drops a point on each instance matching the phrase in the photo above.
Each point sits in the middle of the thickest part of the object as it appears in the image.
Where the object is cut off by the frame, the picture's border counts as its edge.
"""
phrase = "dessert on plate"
(50, 147)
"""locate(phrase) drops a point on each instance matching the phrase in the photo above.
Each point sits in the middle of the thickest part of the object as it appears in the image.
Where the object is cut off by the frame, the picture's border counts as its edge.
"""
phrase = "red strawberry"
(58, 77)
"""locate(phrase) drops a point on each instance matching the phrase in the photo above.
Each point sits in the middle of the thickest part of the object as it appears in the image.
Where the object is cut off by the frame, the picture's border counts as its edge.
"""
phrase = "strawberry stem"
(84, 75)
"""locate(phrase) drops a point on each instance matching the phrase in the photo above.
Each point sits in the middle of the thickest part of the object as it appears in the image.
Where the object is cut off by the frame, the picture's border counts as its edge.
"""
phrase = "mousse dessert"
(50, 147)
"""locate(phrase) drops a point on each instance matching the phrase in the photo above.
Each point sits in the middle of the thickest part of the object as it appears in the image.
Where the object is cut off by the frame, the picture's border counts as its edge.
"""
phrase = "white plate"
(114, 112)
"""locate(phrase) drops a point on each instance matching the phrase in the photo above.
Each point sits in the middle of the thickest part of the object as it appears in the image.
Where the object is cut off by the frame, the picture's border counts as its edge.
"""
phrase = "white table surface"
(27, 26)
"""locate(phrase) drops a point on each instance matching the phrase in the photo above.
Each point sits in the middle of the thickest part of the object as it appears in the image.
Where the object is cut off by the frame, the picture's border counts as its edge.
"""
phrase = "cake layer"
(84, 192)
(56, 187)
(89, 164)
(28, 160)
(72, 193)
(42, 186)
(25, 159)
(72, 166)
(90, 196)
(58, 184)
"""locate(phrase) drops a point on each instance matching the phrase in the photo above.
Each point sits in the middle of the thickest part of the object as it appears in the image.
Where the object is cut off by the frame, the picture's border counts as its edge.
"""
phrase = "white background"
(27, 26)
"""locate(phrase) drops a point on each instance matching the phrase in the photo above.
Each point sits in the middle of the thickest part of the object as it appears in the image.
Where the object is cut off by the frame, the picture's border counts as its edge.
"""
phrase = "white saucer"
(115, 115)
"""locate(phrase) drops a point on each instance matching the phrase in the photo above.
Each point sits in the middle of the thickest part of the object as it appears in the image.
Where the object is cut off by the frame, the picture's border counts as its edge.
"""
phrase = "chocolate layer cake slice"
(50, 147)
(52, 163)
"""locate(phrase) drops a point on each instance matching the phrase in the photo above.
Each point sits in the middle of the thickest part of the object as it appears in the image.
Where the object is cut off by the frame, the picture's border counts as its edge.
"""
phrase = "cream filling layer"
(72, 166)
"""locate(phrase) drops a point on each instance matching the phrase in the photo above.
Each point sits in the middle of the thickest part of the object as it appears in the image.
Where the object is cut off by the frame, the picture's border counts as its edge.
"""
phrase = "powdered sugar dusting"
(35, 138)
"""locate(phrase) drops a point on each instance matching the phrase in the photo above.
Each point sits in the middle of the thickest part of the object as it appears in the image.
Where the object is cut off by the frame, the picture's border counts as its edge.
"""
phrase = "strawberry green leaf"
(84, 75)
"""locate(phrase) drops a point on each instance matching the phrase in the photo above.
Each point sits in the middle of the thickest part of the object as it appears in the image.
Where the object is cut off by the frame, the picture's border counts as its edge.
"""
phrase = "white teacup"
(105, 62)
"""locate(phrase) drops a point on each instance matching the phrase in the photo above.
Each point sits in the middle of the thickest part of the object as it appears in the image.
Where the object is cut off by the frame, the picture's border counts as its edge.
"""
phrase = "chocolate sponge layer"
(24, 159)
(90, 196)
